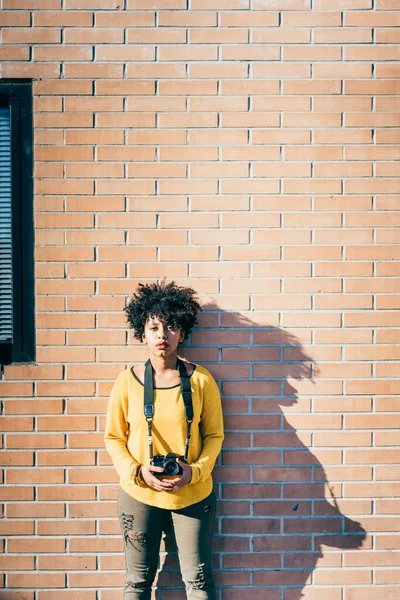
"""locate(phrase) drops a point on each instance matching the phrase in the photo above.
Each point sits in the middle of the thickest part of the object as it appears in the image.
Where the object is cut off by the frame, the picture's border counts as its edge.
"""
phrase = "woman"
(151, 431)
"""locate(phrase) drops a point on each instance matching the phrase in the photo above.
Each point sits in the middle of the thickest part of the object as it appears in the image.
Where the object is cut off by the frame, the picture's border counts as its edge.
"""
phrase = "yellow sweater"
(126, 435)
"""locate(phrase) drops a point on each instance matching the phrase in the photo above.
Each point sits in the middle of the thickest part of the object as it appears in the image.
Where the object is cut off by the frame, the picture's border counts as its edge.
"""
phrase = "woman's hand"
(184, 478)
(155, 483)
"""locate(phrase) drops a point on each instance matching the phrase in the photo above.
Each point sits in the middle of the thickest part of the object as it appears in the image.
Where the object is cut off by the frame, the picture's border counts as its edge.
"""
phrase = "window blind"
(6, 282)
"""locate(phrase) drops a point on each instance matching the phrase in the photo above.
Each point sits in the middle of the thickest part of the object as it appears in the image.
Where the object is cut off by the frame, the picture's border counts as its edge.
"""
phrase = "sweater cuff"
(133, 469)
(196, 474)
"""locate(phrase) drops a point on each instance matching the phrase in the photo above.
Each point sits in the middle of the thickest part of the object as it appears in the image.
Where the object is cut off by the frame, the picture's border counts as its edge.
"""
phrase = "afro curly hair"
(176, 306)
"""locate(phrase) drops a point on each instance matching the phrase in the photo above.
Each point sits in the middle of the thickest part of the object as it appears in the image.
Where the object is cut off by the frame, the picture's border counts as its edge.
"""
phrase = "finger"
(175, 481)
(158, 488)
(164, 484)
(156, 469)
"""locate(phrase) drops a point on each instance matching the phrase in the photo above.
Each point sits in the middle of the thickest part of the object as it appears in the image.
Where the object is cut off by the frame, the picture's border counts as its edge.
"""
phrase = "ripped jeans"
(142, 527)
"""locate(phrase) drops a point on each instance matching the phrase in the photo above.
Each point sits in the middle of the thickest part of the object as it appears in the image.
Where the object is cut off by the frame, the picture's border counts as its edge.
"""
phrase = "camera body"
(168, 463)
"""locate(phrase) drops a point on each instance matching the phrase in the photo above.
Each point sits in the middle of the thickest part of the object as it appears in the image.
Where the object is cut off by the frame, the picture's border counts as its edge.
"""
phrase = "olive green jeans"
(142, 526)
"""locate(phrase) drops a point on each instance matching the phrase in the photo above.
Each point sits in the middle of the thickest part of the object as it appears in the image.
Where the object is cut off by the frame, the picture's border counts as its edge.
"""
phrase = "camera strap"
(149, 401)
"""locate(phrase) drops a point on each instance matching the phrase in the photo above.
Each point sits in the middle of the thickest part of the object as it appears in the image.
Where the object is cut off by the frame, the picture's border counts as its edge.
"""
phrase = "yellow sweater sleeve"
(116, 430)
(211, 431)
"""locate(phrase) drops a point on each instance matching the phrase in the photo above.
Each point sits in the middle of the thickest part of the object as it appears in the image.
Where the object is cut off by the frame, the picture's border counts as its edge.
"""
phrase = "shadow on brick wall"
(278, 515)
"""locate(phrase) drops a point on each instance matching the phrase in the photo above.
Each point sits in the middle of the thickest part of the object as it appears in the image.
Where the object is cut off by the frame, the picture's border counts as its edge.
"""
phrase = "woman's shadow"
(277, 510)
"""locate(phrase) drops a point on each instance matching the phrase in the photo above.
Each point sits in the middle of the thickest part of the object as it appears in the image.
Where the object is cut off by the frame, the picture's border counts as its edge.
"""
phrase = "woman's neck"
(161, 364)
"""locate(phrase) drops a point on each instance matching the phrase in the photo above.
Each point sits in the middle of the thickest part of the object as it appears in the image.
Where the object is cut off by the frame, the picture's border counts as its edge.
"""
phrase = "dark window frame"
(17, 94)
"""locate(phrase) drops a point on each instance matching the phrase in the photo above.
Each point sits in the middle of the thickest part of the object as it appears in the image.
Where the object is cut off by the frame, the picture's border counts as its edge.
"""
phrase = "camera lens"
(171, 467)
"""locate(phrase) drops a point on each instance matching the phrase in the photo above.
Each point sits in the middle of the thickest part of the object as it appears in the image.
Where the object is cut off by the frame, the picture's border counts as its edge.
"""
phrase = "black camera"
(168, 463)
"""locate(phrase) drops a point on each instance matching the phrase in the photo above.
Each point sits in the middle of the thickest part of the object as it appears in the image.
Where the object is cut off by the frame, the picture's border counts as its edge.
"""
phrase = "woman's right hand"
(155, 483)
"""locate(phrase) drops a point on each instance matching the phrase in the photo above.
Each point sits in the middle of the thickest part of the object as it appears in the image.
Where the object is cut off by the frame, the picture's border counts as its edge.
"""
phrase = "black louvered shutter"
(6, 281)
(17, 306)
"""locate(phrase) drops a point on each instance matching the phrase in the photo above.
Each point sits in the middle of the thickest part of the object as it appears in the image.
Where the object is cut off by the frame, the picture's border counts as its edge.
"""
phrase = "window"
(17, 312)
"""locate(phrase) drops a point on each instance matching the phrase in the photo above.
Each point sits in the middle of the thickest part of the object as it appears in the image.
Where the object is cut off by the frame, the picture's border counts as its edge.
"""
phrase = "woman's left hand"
(184, 478)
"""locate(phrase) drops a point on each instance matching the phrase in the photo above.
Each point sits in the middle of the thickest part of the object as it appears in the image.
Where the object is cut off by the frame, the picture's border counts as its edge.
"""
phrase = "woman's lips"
(162, 346)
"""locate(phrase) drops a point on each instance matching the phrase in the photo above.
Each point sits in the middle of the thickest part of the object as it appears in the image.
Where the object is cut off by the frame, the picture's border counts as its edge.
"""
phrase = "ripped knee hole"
(127, 521)
(200, 581)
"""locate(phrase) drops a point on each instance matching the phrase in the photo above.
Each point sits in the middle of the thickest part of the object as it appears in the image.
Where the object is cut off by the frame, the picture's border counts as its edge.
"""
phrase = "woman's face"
(161, 339)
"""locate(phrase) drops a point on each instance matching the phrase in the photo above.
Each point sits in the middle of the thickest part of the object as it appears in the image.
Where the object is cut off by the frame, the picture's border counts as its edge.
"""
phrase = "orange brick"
(66, 458)
(57, 493)
(184, 53)
(284, 5)
(386, 35)
(62, 53)
(311, 53)
(156, 36)
(345, 439)
(311, 19)
(219, 4)
(326, 285)
(14, 53)
(250, 52)
(66, 563)
(220, 35)
(307, 252)
(191, 253)
(279, 35)
(15, 389)
(14, 19)
(17, 563)
(343, 4)
(86, 441)
(281, 270)
(33, 545)
(124, 53)
(372, 19)
(154, 71)
(16, 458)
(309, 87)
(223, 103)
(100, 580)
(378, 53)
(69, 527)
(29, 70)
(162, 4)
(93, 36)
(65, 389)
(19, 493)
(36, 580)
(14, 476)
(343, 301)
(157, 137)
(129, 18)
(343, 269)
(91, 70)
(281, 136)
(343, 35)
(35, 441)
(344, 577)
(86, 372)
(15, 407)
(79, 407)
(253, 286)
(29, 35)
(187, 19)
(249, 19)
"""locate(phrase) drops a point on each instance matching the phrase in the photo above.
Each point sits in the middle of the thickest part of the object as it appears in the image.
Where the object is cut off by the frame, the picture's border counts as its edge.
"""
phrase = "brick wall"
(248, 148)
